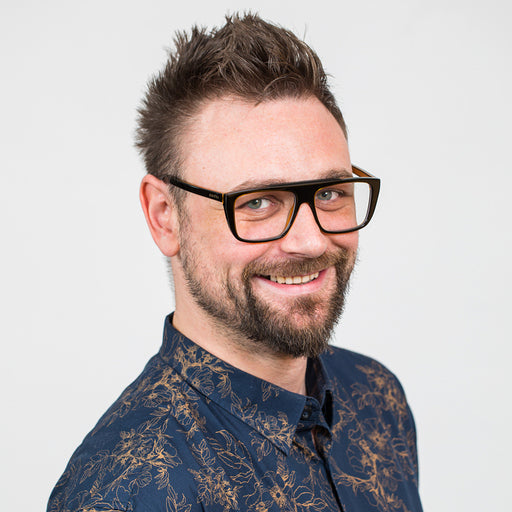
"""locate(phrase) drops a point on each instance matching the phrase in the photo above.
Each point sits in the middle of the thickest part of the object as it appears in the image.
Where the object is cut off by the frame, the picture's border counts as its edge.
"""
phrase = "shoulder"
(368, 385)
(371, 422)
(130, 456)
(346, 365)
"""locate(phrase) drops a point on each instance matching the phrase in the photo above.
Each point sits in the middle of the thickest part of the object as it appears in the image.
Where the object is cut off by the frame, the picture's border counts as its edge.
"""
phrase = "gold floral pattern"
(193, 433)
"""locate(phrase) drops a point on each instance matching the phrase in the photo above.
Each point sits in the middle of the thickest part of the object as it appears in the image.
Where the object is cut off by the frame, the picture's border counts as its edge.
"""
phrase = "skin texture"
(233, 144)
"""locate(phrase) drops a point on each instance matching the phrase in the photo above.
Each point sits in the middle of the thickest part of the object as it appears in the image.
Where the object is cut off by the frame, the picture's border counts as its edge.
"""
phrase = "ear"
(161, 215)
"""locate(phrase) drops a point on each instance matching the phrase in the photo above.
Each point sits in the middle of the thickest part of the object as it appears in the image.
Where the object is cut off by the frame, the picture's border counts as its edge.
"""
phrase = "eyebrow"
(254, 183)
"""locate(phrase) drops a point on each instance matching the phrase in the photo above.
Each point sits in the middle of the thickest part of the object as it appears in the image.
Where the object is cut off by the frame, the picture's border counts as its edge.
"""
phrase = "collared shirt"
(194, 433)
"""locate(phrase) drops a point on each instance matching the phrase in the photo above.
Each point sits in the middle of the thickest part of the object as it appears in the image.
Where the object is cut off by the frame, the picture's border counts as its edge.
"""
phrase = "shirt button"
(306, 413)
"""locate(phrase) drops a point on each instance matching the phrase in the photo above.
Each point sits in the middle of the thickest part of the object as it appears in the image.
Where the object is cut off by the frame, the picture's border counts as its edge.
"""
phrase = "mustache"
(297, 267)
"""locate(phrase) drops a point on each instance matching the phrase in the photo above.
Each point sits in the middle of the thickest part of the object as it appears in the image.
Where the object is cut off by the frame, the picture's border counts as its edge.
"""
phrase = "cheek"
(215, 245)
(205, 226)
(237, 255)
(348, 241)
(222, 252)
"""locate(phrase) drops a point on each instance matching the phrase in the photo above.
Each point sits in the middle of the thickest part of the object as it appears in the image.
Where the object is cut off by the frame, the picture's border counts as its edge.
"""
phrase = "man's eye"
(257, 204)
(328, 195)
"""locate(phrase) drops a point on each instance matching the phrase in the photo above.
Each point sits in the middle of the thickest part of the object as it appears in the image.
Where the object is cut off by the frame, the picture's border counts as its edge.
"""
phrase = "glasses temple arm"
(361, 172)
(211, 194)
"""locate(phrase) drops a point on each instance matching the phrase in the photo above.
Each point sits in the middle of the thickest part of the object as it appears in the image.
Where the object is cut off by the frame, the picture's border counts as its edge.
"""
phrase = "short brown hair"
(248, 58)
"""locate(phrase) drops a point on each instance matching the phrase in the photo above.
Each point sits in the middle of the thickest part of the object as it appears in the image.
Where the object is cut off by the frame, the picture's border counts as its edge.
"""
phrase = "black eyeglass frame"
(304, 192)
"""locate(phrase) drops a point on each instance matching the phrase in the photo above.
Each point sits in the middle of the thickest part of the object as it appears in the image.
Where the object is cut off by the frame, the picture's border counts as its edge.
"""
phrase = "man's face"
(236, 145)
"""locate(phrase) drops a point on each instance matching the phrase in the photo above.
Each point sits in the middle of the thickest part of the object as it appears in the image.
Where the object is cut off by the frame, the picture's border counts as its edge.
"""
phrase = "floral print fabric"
(194, 433)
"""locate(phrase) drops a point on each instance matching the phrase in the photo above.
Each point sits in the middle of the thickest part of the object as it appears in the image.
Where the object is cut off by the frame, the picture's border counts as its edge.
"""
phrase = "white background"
(425, 87)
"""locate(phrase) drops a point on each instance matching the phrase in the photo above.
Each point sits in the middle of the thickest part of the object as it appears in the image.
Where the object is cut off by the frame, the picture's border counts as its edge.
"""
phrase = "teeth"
(294, 279)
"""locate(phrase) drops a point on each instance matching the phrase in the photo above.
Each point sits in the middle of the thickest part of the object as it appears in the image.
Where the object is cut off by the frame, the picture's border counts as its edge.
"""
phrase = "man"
(251, 196)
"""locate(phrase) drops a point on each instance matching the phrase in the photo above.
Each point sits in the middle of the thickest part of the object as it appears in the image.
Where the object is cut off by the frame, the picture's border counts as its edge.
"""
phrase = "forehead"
(231, 142)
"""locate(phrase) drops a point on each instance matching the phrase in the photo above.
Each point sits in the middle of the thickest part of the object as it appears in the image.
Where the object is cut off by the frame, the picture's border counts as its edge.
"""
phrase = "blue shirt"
(193, 433)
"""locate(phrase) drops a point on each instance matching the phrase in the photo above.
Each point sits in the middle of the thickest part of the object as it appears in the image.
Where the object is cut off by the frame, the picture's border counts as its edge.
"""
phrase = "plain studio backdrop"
(425, 88)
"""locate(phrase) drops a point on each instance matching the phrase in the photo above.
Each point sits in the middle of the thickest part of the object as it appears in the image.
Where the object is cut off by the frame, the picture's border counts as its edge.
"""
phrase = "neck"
(281, 370)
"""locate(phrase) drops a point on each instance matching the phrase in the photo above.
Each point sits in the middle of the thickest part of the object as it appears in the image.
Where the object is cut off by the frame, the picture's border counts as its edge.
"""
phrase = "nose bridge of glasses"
(304, 194)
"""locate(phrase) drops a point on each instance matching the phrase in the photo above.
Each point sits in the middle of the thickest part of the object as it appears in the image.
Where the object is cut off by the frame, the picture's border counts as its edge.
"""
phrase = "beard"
(254, 323)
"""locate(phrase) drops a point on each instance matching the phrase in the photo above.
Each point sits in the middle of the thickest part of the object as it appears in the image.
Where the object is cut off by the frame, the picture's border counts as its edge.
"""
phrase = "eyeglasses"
(264, 214)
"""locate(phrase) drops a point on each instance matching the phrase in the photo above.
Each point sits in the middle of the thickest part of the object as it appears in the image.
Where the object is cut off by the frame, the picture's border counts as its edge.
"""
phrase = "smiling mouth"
(293, 279)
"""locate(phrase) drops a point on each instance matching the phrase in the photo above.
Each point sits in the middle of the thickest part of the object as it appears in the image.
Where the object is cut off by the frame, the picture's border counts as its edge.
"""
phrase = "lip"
(293, 290)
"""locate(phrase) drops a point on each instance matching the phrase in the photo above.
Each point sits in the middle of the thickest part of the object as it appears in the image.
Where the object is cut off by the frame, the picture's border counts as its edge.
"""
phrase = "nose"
(305, 237)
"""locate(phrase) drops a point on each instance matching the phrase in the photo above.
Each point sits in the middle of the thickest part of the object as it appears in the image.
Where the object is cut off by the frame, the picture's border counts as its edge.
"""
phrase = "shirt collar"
(272, 411)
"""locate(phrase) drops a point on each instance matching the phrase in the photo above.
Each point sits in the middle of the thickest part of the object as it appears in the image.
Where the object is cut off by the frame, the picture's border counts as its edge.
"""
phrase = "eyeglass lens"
(266, 213)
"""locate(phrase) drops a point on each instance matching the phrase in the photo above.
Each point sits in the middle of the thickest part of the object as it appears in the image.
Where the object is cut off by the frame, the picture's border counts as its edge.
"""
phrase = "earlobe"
(161, 215)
